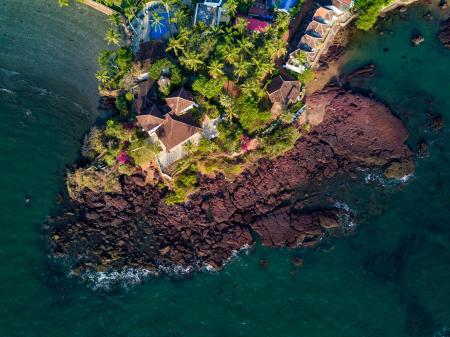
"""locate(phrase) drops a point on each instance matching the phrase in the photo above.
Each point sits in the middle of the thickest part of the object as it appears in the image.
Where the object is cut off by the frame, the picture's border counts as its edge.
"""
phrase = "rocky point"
(136, 229)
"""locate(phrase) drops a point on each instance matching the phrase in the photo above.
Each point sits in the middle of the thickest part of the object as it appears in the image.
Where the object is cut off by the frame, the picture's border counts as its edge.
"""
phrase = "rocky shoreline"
(275, 200)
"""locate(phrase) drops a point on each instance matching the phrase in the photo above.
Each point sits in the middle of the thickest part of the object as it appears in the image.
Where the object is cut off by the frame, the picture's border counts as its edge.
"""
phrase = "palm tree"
(282, 22)
(191, 60)
(231, 54)
(129, 13)
(179, 17)
(176, 45)
(102, 76)
(262, 67)
(250, 87)
(63, 3)
(167, 4)
(183, 35)
(156, 21)
(241, 69)
(215, 69)
(115, 19)
(279, 48)
(245, 45)
(230, 7)
(112, 36)
(241, 25)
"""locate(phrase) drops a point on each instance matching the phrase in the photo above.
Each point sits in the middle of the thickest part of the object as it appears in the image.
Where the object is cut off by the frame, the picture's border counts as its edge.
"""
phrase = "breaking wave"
(379, 179)
(131, 277)
(108, 280)
(346, 218)
(245, 248)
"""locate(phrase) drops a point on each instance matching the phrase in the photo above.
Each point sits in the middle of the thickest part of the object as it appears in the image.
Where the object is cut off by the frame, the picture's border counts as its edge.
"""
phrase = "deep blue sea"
(390, 277)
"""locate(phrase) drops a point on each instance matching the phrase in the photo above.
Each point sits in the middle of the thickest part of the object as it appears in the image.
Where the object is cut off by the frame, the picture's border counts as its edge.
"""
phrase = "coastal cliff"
(136, 229)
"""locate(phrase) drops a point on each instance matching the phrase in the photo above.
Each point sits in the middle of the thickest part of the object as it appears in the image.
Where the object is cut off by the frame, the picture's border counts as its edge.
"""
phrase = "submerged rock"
(422, 148)
(297, 261)
(417, 40)
(136, 229)
(366, 71)
(399, 169)
(444, 34)
(428, 16)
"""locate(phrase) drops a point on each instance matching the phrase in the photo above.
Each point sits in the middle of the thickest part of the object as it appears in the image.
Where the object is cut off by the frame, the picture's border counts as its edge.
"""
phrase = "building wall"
(165, 158)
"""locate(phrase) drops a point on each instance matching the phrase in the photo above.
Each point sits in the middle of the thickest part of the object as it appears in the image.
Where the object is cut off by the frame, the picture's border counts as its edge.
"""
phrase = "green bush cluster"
(176, 76)
(114, 65)
(209, 87)
(185, 183)
(105, 145)
(368, 12)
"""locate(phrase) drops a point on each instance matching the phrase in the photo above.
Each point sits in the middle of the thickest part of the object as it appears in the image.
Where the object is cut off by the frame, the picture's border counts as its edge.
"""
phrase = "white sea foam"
(176, 269)
(346, 218)
(234, 254)
(132, 276)
(6, 91)
(380, 179)
(106, 280)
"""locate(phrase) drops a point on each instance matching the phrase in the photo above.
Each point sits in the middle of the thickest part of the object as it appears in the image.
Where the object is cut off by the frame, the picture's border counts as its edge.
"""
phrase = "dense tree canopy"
(369, 11)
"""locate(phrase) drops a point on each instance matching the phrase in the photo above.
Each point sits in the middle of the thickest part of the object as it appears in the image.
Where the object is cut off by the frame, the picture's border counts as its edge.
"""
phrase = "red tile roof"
(180, 100)
(174, 132)
(284, 89)
(149, 122)
(147, 92)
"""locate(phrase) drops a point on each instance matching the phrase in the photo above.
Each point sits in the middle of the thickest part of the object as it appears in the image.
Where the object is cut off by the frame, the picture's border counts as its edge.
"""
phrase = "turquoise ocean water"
(389, 278)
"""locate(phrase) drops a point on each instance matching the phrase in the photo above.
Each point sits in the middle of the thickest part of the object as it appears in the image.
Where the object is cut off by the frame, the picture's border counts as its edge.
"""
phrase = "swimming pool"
(160, 30)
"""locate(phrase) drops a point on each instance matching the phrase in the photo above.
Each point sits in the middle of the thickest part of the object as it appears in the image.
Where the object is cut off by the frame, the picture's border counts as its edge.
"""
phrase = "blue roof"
(287, 5)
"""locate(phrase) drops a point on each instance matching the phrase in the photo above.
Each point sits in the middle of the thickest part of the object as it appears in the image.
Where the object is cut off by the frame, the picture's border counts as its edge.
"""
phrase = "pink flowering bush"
(123, 158)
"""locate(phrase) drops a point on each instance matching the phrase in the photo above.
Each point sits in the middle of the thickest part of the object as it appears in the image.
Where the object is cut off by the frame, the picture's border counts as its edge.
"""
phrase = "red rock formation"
(136, 228)
(444, 35)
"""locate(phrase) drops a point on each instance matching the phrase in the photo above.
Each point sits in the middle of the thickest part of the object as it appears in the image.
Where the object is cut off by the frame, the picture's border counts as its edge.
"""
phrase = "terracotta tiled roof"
(147, 93)
(284, 89)
(149, 122)
(323, 13)
(318, 27)
(180, 100)
(342, 3)
(174, 131)
(310, 41)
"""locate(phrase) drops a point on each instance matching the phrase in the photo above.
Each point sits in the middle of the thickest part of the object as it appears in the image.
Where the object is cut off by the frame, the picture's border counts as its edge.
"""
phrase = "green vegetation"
(368, 12)
(307, 76)
(227, 67)
(279, 141)
(114, 65)
(207, 87)
(117, 148)
(184, 185)
(63, 3)
(93, 179)
(177, 78)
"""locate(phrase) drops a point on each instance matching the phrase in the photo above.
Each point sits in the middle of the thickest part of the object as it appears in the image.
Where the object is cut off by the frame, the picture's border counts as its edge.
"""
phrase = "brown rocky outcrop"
(136, 229)
(444, 35)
